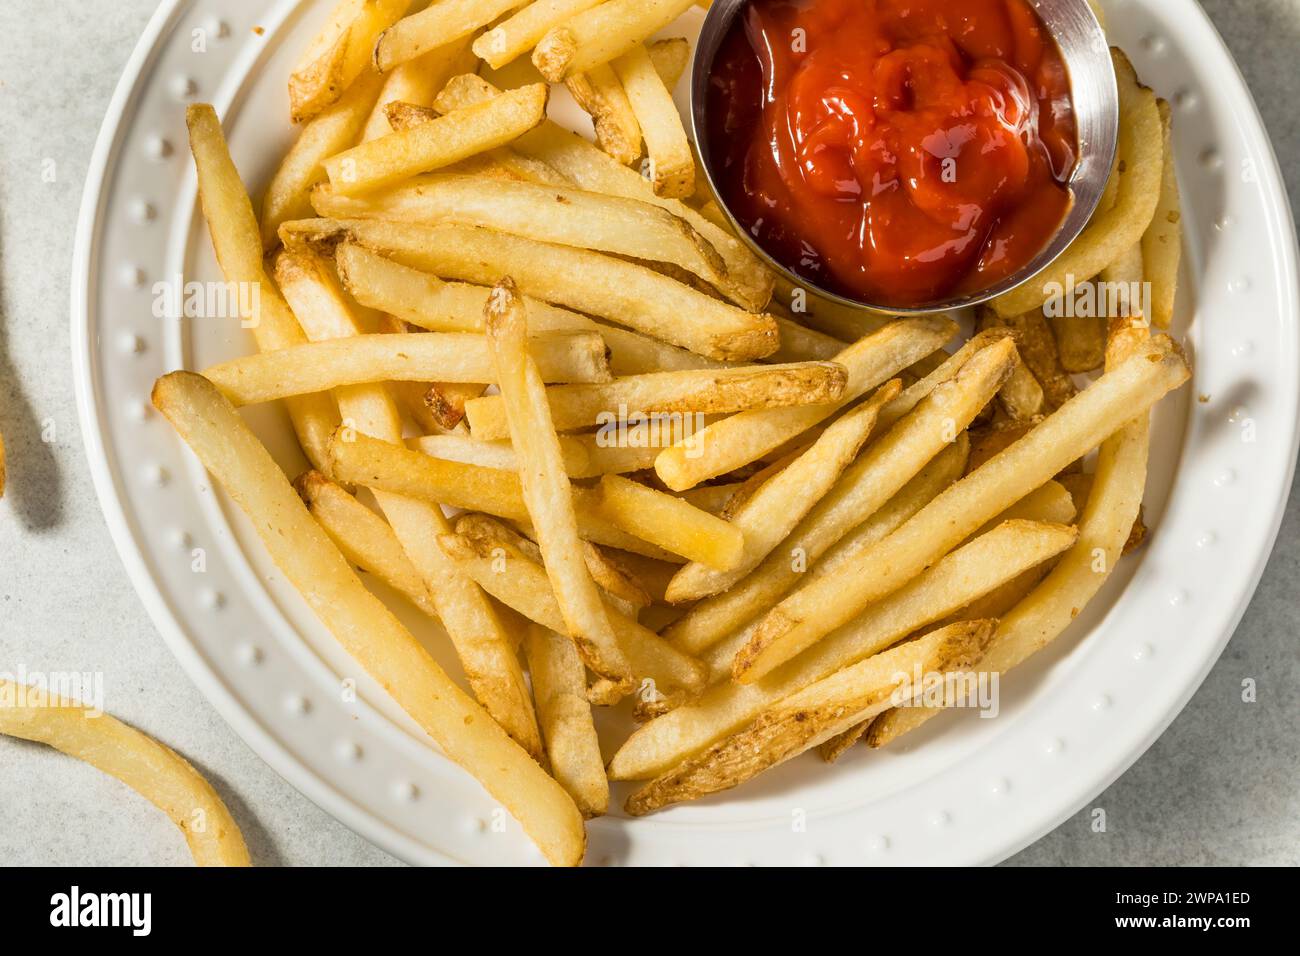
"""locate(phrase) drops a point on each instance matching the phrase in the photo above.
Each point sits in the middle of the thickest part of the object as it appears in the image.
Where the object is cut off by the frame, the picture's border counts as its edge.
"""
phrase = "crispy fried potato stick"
(363, 537)
(671, 162)
(485, 650)
(600, 285)
(669, 522)
(692, 392)
(238, 245)
(600, 34)
(967, 574)
(519, 34)
(157, 773)
(560, 688)
(546, 491)
(1113, 506)
(843, 512)
(740, 439)
(416, 83)
(435, 26)
(326, 134)
(514, 579)
(438, 143)
(1141, 150)
(444, 356)
(600, 92)
(360, 621)
(774, 509)
(816, 714)
(1067, 435)
(339, 54)
(568, 217)
(1162, 243)
(749, 282)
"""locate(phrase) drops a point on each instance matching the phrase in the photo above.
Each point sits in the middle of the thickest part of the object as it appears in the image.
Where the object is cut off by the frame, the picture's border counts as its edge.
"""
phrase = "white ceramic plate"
(963, 790)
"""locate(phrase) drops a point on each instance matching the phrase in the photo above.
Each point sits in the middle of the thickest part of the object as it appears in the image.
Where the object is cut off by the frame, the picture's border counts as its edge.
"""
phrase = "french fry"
(1081, 341)
(669, 522)
(600, 93)
(815, 714)
(442, 22)
(834, 519)
(363, 537)
(547, 493)
(445, 401)
(499, 454)
(624, 292)
(1162, 243)
(671, 162)
(568, 217)
(485, 650)
(1037, 348)
(360, 621)
(331, 131)
(600, 34)
(447, 356)
(339, 54)
(156, 772)
(749, 282)
(777, 506)
(696, 392)
(425, 300)
(1067, 435)
(802, 344)
(742, 438)
(417, 82)
(519, 33)
(1113, 506)
(238, 246)
(631, 353)
(560, 689)
(520, 583)
(438, 143)
(360, 459)
(670, 57)
(1141, 152)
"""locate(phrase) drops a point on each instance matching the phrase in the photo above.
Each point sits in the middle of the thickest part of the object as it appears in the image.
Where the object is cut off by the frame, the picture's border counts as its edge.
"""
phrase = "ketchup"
(894, 151)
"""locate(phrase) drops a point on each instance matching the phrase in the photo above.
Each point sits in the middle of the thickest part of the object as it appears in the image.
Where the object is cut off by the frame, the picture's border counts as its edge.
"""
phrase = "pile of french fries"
(461, 296)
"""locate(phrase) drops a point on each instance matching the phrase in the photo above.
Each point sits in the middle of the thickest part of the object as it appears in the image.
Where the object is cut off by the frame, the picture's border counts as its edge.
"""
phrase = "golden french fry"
(360, 621)
(1067, 435)
(688, 393)
(485, 650)
(1081, 340)
(547, 493)
(834, 519)
(446, 356)
(669, 522)
(425, 300)
(339, 54)
(157, 773)
(560, 689)
(499, 454)
(671, 162)
(802, 344)
(438, 143)
(238, 246)
(416, 83)
(329, 132)
(774, 509)
(602, 33)
(806, 719)
(1113, 506)
(519, 33)
(1162, 243)
(742, 438)
(624, 292)
(600, 92)
(670, 57)
(363, 537)
(1141, 151)
(435, 26)
(520, 583)
(749, 282)
(567, 217)
(1037, 347)
(631, 353)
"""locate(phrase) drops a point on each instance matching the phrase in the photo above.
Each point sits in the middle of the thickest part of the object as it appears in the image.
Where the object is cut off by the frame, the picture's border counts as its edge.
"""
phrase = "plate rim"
(291, 767)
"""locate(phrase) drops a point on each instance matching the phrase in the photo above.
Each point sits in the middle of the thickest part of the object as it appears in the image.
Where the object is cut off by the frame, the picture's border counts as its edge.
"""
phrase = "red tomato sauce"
(897, 152)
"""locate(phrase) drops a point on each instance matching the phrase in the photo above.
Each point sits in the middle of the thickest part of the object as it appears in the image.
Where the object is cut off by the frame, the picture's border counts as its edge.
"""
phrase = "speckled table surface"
(1220, 787)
